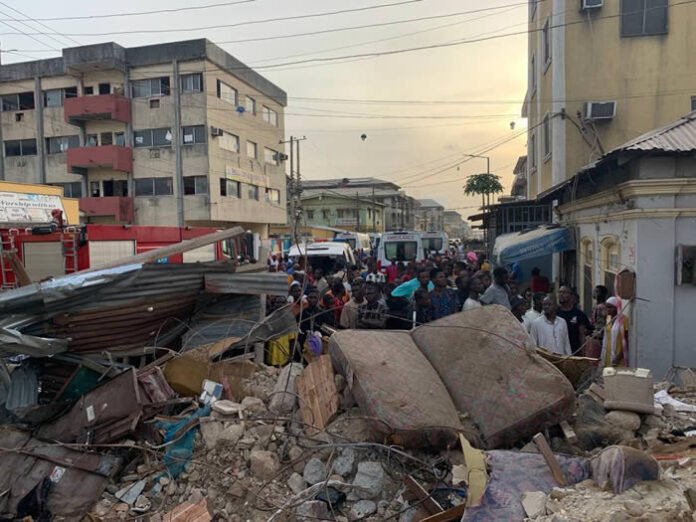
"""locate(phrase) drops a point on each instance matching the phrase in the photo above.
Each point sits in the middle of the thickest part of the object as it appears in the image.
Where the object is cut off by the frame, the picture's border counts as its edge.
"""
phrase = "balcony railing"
(102, 107)
(107, 156)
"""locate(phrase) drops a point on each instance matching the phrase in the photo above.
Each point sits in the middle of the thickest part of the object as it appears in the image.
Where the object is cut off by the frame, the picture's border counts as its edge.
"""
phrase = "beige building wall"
(650, 77)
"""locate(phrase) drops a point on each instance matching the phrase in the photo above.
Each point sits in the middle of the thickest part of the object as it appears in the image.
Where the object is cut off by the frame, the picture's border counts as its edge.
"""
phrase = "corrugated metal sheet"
(253, 283)
(679, 136)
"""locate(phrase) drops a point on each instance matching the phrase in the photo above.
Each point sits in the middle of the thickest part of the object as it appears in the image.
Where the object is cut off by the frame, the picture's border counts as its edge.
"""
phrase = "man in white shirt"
(535, 311)
(550, 331)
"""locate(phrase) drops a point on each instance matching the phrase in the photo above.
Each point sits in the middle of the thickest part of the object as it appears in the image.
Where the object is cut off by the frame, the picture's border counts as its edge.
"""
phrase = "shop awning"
(511, 248)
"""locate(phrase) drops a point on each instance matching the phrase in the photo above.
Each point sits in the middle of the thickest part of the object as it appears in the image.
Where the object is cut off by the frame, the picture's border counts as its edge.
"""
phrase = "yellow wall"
(650, 77)
(71, 206)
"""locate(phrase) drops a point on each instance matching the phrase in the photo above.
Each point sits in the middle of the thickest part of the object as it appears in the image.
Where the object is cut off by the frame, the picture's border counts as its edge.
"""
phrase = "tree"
(484, 184)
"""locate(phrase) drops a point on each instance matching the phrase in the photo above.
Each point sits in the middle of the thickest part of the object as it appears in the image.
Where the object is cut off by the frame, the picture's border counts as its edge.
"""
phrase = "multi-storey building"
(431, 216)
(602, 72)
(170, 134)
(455, 226)
(399, 208)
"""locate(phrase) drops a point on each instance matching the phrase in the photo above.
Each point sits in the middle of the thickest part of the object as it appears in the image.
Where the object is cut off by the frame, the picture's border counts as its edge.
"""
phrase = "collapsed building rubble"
(136, 392)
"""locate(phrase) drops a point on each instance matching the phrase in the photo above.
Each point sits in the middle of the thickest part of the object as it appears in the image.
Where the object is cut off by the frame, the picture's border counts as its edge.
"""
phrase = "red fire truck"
(52, 251)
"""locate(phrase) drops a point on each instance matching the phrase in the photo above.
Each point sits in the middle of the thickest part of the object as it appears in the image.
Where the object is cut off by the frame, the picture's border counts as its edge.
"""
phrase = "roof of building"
(452, 214)
(363, 192)
(312, 194)
(430, 203)
(110, 55)
(347, 183)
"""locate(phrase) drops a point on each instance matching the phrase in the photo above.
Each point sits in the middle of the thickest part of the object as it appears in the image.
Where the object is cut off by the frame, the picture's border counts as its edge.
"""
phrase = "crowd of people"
(405, 295)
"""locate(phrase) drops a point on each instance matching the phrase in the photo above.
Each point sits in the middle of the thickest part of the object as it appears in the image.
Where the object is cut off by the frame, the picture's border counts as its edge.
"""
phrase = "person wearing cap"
(615, 342)
(518, 307)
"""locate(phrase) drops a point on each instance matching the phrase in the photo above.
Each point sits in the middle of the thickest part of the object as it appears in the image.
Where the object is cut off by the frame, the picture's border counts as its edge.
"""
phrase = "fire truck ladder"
(8, 248)
(69, 238)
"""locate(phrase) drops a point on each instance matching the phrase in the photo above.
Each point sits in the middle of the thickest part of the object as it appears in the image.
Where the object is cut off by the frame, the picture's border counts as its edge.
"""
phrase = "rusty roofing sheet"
(679, 136)
(250, 283)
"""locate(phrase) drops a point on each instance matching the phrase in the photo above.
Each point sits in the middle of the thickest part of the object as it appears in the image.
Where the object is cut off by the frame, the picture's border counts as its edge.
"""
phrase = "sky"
(421, 111)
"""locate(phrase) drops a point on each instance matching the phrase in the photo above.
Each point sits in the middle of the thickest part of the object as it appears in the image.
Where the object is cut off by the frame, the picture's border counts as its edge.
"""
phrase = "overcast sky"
(408, 143)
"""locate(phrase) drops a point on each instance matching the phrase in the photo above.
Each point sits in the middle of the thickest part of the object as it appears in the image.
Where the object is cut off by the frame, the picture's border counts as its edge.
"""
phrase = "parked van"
(400, 246)
(434, 243)
(356, 240)
(324, 255)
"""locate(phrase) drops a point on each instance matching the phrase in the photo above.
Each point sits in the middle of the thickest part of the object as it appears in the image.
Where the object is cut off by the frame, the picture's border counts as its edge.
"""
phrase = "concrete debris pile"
(450, 421)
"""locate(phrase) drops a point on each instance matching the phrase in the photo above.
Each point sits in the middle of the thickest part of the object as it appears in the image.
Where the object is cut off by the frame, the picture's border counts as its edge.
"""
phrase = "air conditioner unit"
(279, 156)
(605, 110)
(591, 4)
(214, 131)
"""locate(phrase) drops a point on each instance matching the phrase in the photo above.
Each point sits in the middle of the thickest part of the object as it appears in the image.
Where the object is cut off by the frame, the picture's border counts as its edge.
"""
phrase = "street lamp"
(487, 158)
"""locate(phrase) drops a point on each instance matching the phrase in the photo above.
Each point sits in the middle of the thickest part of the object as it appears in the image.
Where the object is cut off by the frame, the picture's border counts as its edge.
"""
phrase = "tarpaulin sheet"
(512, 248)
(513, 473)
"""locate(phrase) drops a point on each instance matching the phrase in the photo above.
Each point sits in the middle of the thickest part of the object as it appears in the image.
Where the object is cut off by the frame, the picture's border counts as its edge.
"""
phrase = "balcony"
(103, 107)
(117, 209)
(108, 156)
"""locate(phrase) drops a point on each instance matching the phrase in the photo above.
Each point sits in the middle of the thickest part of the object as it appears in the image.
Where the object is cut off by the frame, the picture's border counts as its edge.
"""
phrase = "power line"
(250, 22)
(29, 35)
(138, 13)
(38, 23)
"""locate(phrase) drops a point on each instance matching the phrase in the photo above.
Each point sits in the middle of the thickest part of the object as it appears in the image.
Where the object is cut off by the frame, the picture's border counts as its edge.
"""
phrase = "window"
(89, 91)
(610, 261)
(154, 187)
(154, 104)
(19, 116)
(229, 188)
(693, 103)
(120, 139)
(250, 105)
(273, 196)
(643, 17)
(193, 134)
(18, 102)
(252, 150)
(151, 87)
(325, 214)
(532, 75)
(153, 138)
(310, 214)
(547, 136)
(195, 185)
(20, 148)
(92, 140)
(252, 192)
(401, 250)
(345, 213)
(107, 138)
(270, 116)
(70, 190)
(229, 142)
(104, 88)
(60, 144)
(55, 97)
(271, 156)
(226, 93)
(192, 82)
(532, 152)
(546, 36)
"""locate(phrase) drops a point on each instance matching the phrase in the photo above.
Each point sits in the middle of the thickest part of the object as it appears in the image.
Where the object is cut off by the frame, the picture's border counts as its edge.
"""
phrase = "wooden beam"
(550, 459)
(20, 272)
(569, 432)
(447, 516)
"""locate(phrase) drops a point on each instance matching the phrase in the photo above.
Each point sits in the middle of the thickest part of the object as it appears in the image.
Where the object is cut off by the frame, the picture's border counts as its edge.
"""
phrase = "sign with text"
(19, 208)
(252, 178)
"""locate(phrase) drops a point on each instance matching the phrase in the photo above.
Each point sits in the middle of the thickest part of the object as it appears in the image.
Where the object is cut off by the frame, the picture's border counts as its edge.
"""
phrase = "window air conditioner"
(600, 110)
(591, 4)
(214, 131)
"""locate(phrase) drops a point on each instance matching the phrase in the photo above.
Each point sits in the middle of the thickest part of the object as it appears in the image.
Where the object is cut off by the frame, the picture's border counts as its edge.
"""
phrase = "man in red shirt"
(539, 283)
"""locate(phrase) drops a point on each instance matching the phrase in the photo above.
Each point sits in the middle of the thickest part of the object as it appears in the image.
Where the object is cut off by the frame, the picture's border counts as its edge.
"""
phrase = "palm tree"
(484, 184)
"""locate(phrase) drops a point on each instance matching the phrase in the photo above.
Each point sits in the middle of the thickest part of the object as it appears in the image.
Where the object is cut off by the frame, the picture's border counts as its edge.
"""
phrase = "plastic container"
(629, 390)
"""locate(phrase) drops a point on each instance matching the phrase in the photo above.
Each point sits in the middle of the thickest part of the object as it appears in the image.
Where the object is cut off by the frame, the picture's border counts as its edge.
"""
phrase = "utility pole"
(357, 212)
(295, 187)
(374, 211)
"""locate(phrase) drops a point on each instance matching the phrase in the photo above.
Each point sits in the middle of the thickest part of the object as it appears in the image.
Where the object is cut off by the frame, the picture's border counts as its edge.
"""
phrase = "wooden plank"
(569, 432)
(422, 496)
(447, 516)
(20, 272)
(475, 461)
(550, 459)
(318, 394)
